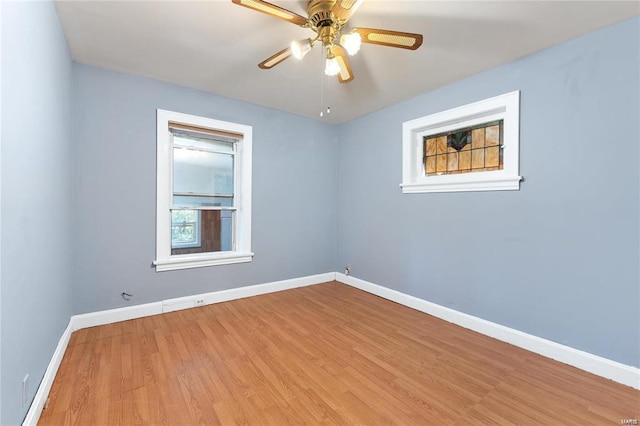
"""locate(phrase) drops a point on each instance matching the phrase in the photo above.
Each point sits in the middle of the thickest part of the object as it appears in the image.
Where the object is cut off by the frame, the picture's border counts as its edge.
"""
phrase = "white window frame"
(242, 177)
(504, 107)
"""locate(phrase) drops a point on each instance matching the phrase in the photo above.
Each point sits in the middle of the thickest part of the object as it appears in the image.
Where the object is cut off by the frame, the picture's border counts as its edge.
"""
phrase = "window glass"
(203, 195)
(473, 149)
(185, 228)
(202, 201)
(195, 142)
(202, 172)
(214, 231)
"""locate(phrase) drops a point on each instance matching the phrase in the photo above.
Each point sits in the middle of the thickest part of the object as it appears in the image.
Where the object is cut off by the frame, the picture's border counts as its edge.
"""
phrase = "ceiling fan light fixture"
(300, 48)
(351, 42)
(332, 67)
(328, 19)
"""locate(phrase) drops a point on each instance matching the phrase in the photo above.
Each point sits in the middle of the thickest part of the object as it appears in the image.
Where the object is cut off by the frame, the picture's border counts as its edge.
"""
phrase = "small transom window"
(474, 147)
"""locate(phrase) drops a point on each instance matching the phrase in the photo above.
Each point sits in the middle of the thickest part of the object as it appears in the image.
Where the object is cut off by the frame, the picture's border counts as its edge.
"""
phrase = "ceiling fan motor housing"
(319, 12)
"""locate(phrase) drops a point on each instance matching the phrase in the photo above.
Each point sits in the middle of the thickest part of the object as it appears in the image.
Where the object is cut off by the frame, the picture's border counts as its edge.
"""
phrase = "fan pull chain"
(322, 79)
(321, 100)
(321, 82)
(321, 88)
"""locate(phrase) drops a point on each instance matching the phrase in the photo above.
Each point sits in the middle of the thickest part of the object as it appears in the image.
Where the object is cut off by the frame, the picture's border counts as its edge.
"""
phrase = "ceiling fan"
(328, 19)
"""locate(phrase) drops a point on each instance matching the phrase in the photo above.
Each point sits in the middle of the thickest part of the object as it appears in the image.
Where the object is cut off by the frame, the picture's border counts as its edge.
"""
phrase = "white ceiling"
(215, 46)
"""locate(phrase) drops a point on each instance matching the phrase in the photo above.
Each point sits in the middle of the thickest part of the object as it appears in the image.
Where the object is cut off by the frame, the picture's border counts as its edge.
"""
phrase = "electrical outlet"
(199, 302)
(25, 391)
(347, 269)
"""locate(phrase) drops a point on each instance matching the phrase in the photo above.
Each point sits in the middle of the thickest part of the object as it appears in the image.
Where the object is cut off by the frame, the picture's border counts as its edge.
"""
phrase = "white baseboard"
(138, 311)
(621, 373)
(242, 292)
(39, 400)
(109, 316)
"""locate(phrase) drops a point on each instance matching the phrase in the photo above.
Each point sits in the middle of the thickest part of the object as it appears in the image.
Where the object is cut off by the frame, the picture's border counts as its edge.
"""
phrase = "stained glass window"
(472, 149)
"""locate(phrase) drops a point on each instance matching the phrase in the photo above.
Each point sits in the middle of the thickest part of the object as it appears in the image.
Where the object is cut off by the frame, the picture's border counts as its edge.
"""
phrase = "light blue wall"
(294, 216)
(1, 116)
(557, 259)
(36, 196)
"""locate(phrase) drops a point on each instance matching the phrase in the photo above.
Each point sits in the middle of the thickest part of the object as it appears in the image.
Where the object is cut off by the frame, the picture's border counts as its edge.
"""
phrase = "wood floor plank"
(323, 354)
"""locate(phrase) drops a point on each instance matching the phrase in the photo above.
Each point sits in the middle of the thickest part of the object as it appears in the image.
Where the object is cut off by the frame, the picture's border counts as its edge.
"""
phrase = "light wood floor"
(321, 354)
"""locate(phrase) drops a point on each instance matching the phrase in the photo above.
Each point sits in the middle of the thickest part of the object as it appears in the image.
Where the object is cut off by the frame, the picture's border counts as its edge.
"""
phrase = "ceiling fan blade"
(272, 10)
(345, 75)
(274, 60)
(389, 38)
(343, 9)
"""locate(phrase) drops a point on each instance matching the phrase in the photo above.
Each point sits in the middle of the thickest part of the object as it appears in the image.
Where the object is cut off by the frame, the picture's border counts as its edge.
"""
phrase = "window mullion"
(205, 208)
(197, 194)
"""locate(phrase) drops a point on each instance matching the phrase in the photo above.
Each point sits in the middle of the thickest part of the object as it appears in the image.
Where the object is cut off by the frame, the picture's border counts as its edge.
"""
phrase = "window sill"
(201, 260)
(455, 184)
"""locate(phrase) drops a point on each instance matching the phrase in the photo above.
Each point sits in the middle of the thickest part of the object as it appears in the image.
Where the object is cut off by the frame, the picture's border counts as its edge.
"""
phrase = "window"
(203, 212)
(471, 148)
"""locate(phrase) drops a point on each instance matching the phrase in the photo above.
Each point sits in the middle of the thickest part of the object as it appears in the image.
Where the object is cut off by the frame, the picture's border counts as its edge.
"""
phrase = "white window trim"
(242, 252)
(504, 107)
